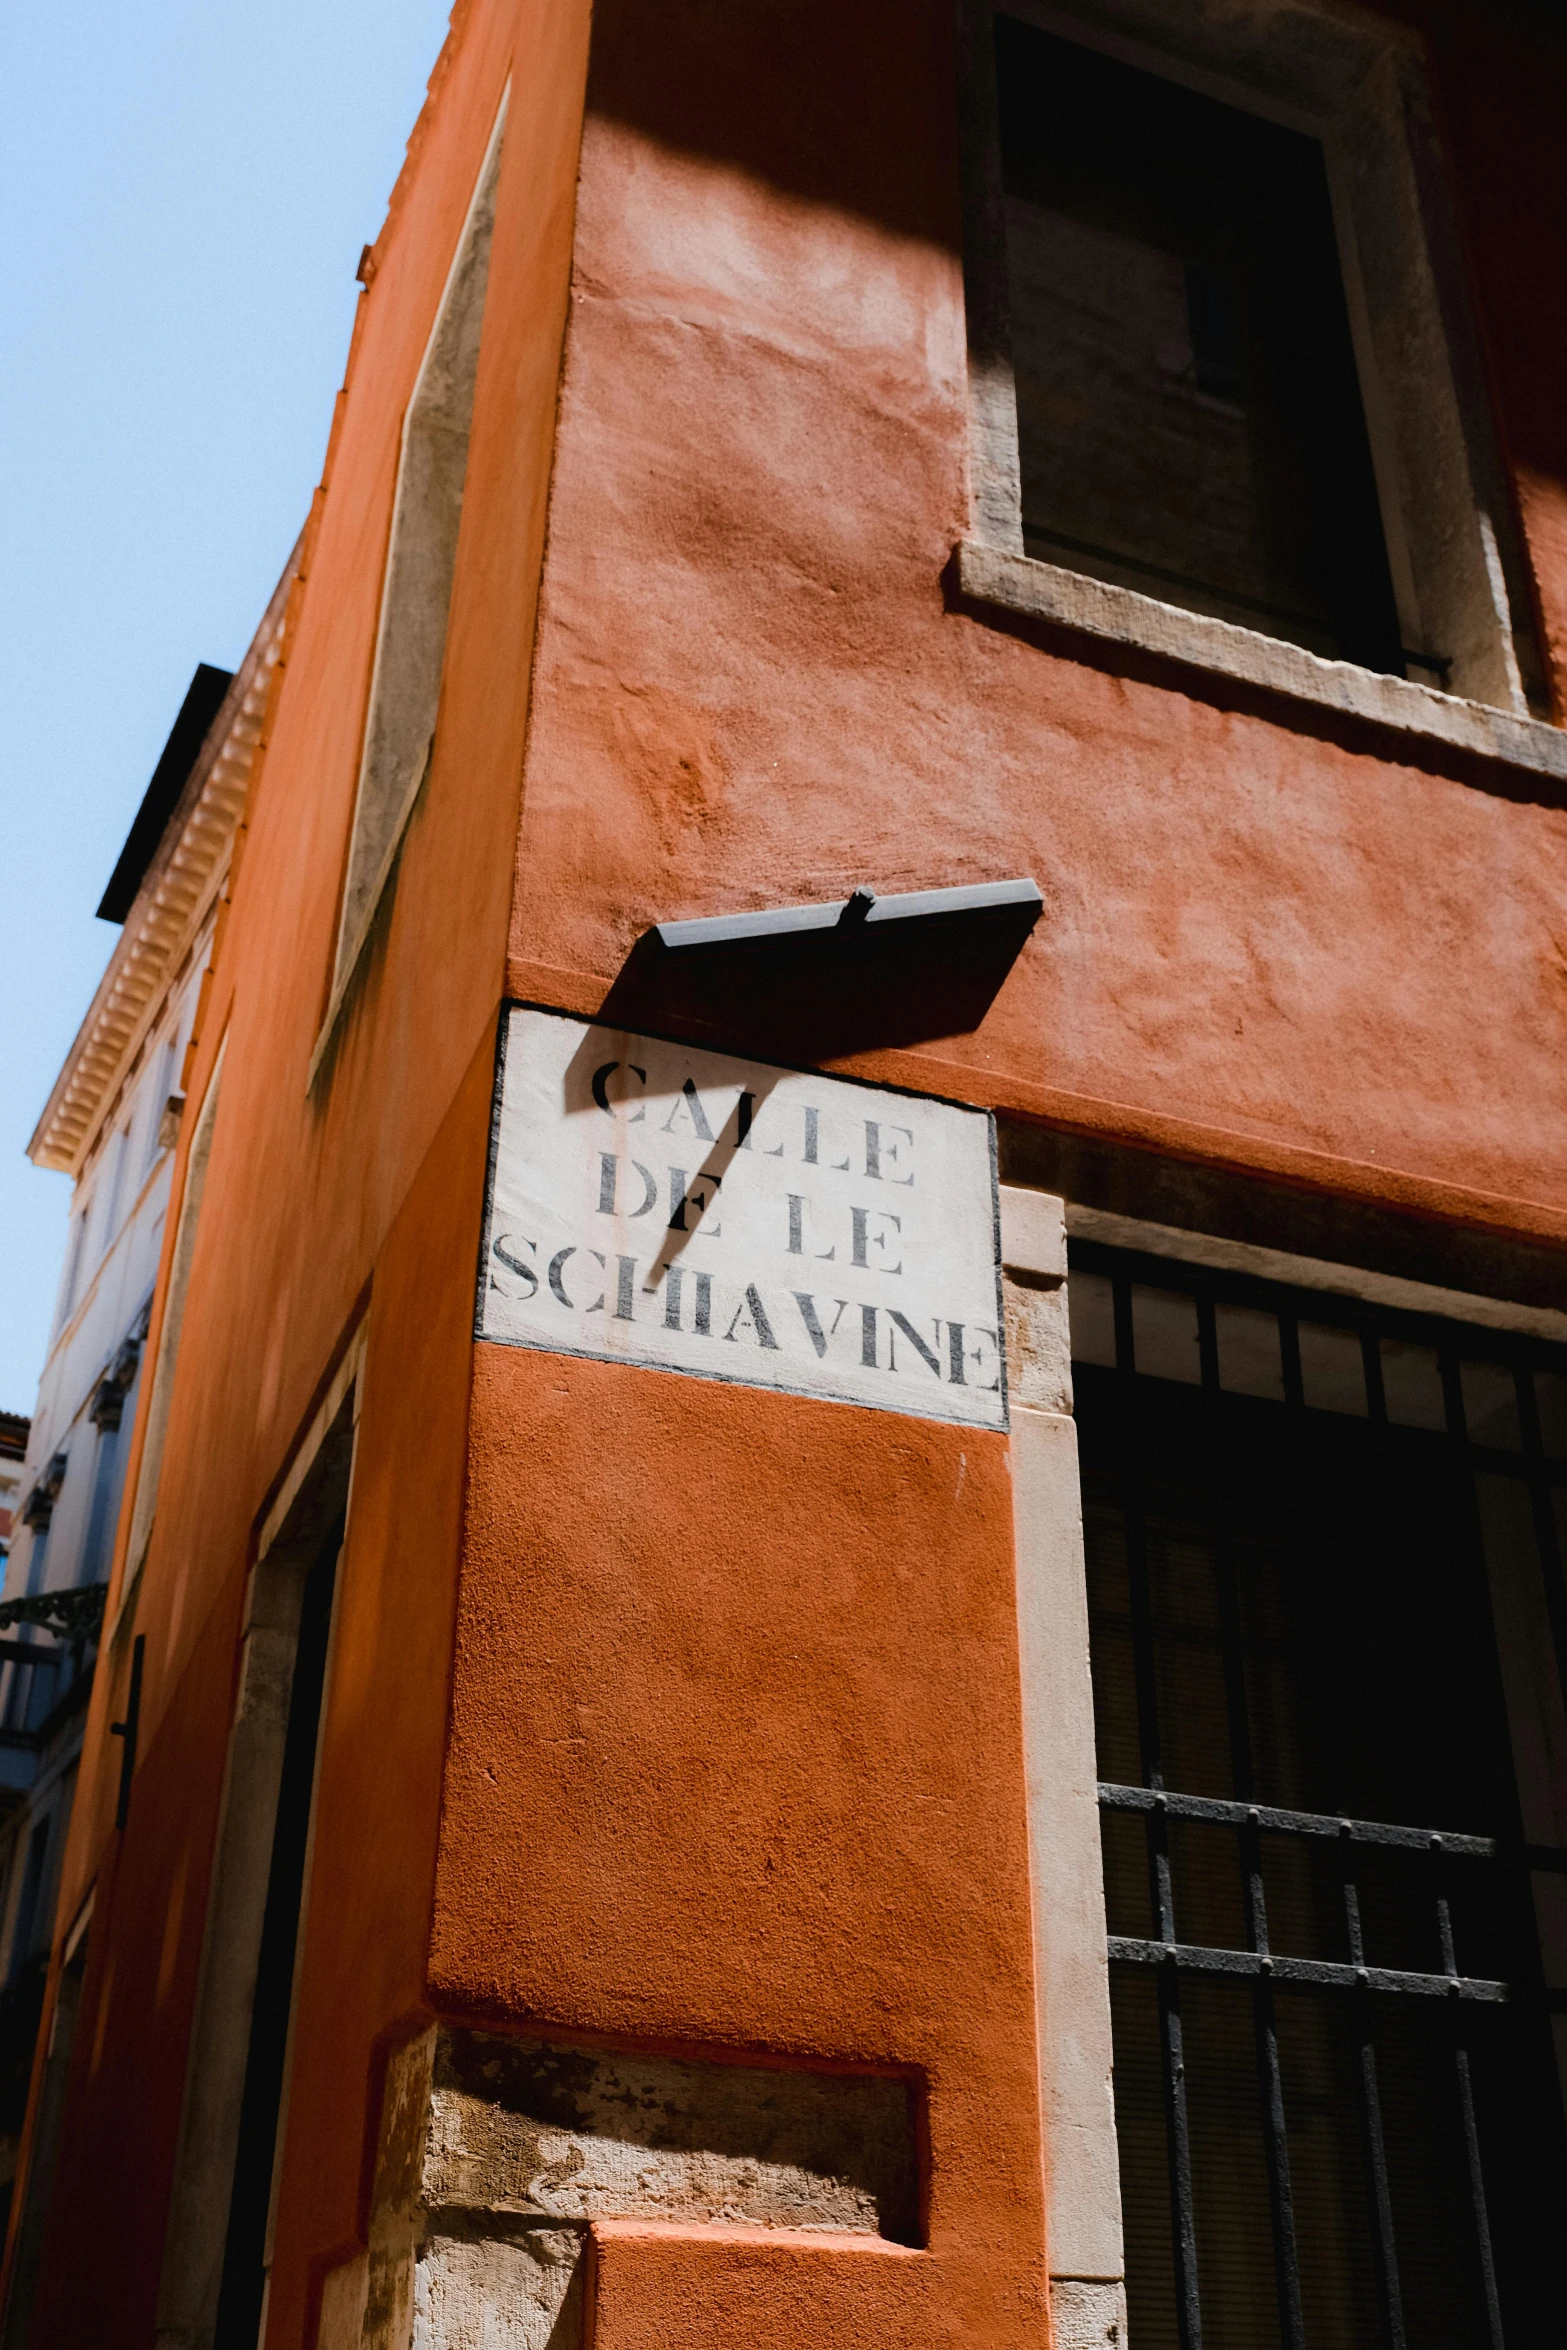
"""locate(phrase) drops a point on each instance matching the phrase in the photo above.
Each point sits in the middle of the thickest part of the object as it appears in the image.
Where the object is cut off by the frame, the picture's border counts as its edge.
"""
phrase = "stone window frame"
(1455, 549)
(314, 1490)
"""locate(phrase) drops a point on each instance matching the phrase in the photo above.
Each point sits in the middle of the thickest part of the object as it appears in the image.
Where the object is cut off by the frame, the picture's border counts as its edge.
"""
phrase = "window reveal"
(1189, 414)
(405, 684)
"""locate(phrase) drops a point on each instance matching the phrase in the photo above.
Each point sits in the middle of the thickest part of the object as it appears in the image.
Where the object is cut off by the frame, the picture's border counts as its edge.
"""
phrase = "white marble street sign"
(653, 1203)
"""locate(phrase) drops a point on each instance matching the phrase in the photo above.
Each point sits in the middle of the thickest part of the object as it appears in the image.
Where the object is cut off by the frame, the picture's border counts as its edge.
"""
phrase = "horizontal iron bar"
(865, 909)
(1321, 1974)
(22, 1652)
(1293, 1823)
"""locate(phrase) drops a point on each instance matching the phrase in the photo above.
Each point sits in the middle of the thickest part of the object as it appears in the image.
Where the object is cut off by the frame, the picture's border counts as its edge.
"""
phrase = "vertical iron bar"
(1466, 2107)
(1183, 2228)
(1188, 2307)
(1281, 2199)
(1466, 2103)
(1371, 2115)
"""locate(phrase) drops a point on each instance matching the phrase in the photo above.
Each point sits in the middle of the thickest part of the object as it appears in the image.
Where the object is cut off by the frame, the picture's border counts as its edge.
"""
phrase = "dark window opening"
(243, 2288)
(1189, 414)
(1328, 1626)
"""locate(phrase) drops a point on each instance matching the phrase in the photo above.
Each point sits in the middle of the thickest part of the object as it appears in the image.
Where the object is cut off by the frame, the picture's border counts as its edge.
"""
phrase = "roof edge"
(132, 943)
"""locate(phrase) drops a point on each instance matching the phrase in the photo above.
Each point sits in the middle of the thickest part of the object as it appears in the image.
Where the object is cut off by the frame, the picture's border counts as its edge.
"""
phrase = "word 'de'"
(653, 1203)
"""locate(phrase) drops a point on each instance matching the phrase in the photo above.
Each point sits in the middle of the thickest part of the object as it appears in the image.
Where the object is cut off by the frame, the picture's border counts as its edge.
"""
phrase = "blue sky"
(185, 186)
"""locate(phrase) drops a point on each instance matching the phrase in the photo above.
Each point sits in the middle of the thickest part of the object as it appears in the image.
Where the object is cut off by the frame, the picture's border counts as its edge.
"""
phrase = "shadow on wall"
(870, 126)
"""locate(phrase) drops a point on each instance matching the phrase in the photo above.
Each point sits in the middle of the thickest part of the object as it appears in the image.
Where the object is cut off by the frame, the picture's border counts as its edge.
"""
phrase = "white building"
(13, 1454)
(110, 1123)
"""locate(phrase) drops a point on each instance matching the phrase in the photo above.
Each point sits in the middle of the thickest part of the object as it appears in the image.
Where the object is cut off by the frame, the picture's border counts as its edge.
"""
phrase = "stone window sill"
(1120, 616)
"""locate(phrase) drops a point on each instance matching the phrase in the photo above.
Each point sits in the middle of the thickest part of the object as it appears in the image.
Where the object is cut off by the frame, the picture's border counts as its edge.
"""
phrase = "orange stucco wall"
(1266, 937)
(736, 1759)
(710, 2287)
(663, 1713)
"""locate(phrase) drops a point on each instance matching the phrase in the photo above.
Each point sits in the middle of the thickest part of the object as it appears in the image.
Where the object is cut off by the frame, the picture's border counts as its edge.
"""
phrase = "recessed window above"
(1189, 416)
(1227, 399)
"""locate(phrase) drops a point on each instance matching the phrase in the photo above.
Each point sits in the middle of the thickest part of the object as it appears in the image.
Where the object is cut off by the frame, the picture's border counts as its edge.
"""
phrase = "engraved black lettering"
(557, 1281)
(864, 1239)
(883, 1154)
(812, 1135)
(514, 1264)
(691, 1102)
(927, 1354)
(698, 1200)
(672, 1284)
(601, 1078)
(824, 1256)
(751, 1304)
(813, 1329)
(628, 1273)
(703, 1324)
(955, 1354)
(977, 1359)
(868, 1338)
(608, 1166)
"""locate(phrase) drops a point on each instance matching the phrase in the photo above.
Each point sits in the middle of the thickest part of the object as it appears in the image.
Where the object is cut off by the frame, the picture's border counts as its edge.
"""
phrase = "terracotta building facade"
(839, 1607)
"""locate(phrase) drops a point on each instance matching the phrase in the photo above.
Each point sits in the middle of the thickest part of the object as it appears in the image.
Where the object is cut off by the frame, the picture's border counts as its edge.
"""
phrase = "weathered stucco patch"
(1087, 2313)
(495, 2154)
(514, 2288)
(578, 2134)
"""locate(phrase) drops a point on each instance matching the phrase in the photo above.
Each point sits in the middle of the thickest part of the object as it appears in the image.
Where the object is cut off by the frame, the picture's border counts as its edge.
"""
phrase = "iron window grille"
(1293, 1604)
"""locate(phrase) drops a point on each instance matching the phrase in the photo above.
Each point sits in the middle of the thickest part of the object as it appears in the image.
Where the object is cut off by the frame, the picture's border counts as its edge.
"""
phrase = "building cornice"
(173, 901)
